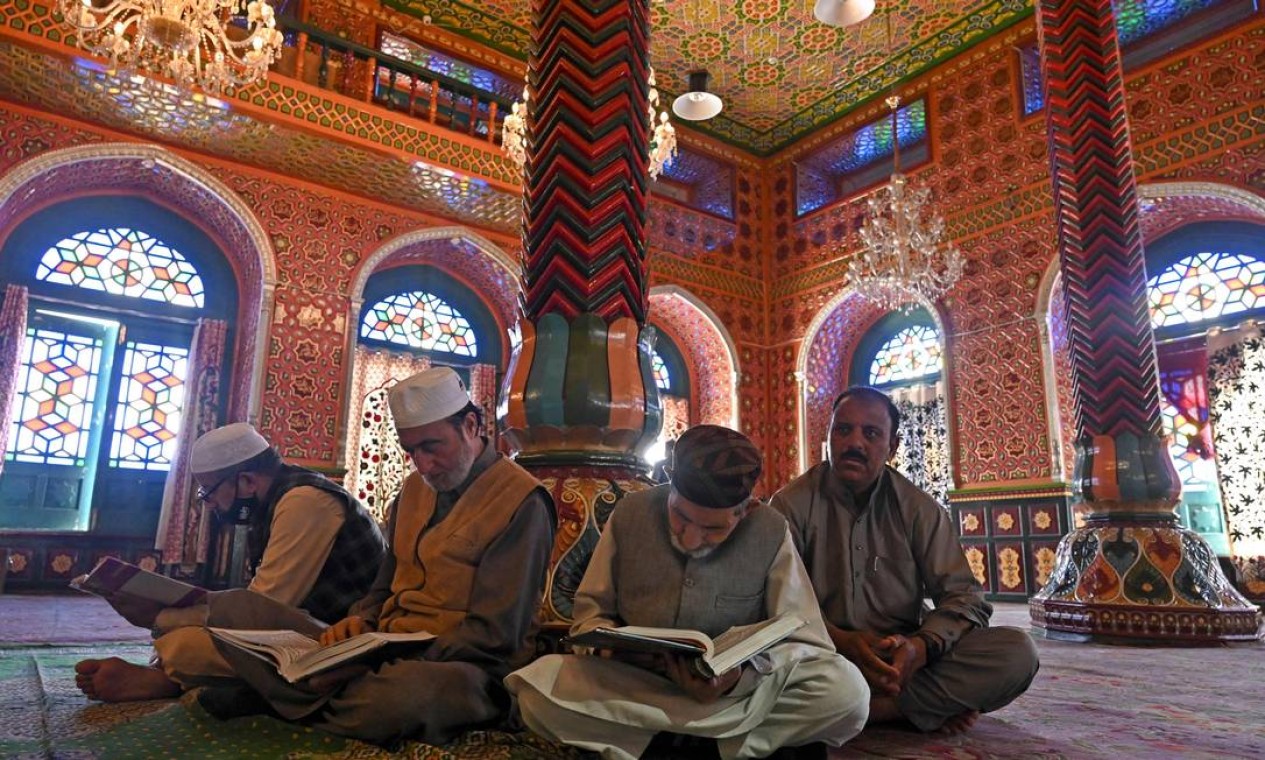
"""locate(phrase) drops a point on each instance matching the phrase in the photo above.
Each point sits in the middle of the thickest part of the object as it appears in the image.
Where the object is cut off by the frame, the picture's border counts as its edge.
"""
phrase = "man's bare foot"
(958, 724)
(115, 680)
(883, 710)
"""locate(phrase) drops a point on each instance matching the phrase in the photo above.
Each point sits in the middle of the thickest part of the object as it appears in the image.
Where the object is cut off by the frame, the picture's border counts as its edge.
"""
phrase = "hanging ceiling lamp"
(698, 104)
(843, 12)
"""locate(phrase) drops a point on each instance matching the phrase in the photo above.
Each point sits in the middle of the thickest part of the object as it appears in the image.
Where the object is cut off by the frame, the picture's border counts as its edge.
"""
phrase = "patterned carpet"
(1089, 701)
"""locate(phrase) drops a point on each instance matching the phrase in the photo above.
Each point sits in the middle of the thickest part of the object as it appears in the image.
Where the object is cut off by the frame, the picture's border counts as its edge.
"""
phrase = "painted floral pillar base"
(1130, 573)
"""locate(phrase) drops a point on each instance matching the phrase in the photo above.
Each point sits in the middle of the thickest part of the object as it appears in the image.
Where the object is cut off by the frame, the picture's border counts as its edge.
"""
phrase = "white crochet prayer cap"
(430, 395)
(225, 447)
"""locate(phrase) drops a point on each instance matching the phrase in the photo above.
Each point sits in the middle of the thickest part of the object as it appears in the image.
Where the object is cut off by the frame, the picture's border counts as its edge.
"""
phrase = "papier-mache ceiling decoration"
(780, 72)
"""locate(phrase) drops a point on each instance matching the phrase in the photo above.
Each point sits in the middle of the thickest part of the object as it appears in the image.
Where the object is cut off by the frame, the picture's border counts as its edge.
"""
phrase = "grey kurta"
(798, 692)
(446, 686)
(874, 565)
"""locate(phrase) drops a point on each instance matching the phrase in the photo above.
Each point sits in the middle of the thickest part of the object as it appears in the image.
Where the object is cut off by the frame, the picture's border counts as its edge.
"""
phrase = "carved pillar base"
(1130, 573)
(584, 497)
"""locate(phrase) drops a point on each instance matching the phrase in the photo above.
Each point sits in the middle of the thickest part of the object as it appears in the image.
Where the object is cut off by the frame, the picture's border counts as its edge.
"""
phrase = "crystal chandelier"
(906, 258)
(194, 42)
(662, 137)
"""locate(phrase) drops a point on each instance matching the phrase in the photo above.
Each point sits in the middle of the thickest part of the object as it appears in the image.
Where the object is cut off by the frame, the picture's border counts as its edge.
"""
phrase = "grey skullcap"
(713, 466)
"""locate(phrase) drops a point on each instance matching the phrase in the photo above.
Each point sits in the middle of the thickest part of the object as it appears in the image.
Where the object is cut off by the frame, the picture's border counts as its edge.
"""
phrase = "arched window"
(902, 355)
(116, 286)
(911, 354)
(1208, 275)
(415, 316)
(1206, 286)
(420, 320)
(668, 366)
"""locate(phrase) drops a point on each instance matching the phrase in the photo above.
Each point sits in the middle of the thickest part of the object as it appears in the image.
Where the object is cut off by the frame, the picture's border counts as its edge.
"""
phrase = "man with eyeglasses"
(697, 553)
(471, 533)
(309, 545)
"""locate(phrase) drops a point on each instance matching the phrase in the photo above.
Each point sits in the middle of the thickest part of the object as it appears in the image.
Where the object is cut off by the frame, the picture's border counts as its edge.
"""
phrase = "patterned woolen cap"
(715, 467)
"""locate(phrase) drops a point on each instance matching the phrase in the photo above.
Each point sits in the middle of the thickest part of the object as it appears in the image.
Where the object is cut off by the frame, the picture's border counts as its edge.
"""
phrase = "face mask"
(243, 507)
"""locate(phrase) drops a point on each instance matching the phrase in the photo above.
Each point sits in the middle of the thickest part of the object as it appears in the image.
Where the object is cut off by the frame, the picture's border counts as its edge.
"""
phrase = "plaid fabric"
(714, 466)
(354, 558)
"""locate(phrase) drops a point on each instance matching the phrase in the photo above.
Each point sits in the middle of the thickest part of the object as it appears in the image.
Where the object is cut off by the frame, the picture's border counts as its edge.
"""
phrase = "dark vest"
(660, 587)
(354, 558)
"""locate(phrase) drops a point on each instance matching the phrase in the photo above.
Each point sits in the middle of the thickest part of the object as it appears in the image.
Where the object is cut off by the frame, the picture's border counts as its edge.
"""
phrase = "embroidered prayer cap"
(226, 447)
(430, 395)
(715, 467)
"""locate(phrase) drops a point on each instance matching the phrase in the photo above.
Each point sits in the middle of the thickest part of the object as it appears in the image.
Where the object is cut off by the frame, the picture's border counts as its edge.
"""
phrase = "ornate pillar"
(1130, 572)
(582, 403)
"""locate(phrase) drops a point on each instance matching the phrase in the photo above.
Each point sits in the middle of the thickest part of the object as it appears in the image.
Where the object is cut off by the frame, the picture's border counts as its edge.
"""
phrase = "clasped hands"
(887, 662)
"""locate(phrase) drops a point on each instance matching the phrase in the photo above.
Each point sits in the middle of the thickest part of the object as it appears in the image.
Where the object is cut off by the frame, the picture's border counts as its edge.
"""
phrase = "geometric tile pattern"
(123, 262)
(53, 403)
(776, 67)
(151, 399)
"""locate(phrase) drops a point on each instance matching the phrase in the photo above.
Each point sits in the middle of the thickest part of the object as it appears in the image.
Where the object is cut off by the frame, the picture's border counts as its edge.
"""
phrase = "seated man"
(875, 545)
(470, 533)
(310, 544)
(697, 553)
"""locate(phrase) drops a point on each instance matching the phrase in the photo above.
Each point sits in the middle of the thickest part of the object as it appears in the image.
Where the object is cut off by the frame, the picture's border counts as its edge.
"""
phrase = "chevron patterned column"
(1130, 572)
(582, 404)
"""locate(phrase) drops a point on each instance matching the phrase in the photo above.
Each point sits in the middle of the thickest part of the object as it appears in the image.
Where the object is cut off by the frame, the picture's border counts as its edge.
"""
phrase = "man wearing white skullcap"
(471, 533)
(309, 544)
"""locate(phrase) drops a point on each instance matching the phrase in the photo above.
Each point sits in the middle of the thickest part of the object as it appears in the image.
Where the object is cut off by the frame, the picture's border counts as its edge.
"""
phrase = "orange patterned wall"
(1195, 116)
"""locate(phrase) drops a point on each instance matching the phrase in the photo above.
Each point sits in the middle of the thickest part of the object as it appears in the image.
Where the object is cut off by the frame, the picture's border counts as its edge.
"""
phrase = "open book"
(112, 575)
(296, 656)
(712, 656)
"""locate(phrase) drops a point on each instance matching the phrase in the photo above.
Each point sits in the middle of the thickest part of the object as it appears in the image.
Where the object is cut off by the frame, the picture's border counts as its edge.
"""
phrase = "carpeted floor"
(1089, 701)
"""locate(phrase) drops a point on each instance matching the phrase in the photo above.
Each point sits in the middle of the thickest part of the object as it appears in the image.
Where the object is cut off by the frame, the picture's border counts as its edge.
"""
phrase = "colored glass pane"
(1206, 286)
(910, 354)
(423, 57)
(147, 415)
(52, 409)
(419, 320)
(819, 177)
(1181, 429)
(1136, 19)
(124, 262)
(661, 377)
(1033, 83)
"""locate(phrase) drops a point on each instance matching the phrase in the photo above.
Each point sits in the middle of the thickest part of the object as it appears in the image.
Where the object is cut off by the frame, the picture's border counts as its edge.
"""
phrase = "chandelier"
(662, 134)
(194, 42)
(906, 258)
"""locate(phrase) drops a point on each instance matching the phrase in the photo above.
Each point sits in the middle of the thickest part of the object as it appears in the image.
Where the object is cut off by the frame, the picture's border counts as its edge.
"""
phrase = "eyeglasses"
(204, 494)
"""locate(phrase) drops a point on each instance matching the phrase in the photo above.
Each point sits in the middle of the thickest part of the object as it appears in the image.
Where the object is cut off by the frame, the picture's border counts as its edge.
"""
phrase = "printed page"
(741, 643)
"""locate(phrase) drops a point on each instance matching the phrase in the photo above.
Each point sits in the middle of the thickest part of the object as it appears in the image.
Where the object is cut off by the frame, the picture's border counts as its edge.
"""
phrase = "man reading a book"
(309, 544)
(470, 534)
(697, 553)
(875, 546)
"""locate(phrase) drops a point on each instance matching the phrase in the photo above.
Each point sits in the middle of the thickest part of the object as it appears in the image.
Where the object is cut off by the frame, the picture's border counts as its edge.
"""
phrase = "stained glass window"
(147, 416)
(1206, 286)
(1136, 19)
(820, 177)
(419, 320)
(1181, 429)
(124, 262)
(661, 377)
(1033, 83)
(908, 355)
(52, 408)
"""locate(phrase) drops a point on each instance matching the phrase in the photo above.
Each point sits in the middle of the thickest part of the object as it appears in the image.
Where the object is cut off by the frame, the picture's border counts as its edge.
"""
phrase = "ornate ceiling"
(781, 73)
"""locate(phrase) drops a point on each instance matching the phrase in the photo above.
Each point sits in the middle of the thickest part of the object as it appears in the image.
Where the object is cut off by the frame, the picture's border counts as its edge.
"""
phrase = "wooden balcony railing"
(330, 62)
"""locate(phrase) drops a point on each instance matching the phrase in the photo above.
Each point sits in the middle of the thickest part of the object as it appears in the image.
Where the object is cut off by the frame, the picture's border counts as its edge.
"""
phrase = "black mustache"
(853, 455)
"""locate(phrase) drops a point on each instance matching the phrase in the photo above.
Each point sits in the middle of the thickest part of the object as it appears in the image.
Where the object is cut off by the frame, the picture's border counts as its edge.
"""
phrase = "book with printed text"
(296, 656)
(712, 657)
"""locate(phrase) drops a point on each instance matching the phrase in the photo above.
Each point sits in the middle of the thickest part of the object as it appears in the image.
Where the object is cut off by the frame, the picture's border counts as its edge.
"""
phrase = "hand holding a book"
(138, 611)
(704, 690)
(352, 625)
